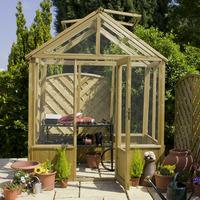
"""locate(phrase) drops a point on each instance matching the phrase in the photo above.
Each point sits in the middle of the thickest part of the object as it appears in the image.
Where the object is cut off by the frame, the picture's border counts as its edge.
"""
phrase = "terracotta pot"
(135, 181)
(162, 181)
(64, 183)
(93, 159)
(197, 189)
(10, 194)
(47, 180)
(19, 190)
(182, 158)
(27, 166)
(189, 186)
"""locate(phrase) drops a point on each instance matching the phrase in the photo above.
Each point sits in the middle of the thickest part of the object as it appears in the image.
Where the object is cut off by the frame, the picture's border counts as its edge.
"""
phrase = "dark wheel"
(107, 159)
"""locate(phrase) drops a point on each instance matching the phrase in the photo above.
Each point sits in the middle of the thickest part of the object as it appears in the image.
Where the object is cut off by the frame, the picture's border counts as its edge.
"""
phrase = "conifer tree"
(14, 82)
(153, 11)
(20, 47)
(184, 21)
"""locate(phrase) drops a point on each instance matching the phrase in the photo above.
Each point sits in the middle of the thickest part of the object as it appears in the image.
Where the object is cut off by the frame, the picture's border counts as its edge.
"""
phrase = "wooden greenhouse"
(97, 67)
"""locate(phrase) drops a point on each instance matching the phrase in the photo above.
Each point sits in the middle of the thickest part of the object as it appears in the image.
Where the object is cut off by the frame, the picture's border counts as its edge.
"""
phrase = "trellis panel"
(94, 97)
(187, 113)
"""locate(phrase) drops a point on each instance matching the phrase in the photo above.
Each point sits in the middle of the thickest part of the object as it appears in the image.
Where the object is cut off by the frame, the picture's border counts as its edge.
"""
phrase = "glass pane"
(83, 41)
(120, 42)
(157, 83)
(150, 103)
(55, 101)
(108, 47)
(123, 115)
(87, 45)
(137, 99)
(95, 92)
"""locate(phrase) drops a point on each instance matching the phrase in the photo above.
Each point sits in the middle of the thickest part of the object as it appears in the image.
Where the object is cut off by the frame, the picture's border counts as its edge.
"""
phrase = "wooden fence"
(187, 114)
(93, 98)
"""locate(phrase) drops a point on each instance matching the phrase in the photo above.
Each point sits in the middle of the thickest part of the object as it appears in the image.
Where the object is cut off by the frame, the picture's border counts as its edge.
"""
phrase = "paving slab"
(102, 190)
(139, 193)
(71, 192)
(89, 190)
(87, 172)
(46, 195)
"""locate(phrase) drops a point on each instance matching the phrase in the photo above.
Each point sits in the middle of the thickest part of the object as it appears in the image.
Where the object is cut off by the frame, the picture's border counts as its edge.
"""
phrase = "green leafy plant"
(62, 166)
(11, 186)
(166, 170)
(184, 176)
(137, 164)
(21, 177)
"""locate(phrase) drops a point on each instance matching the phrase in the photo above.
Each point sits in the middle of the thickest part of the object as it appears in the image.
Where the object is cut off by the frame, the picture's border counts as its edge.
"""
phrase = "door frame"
(122, 172)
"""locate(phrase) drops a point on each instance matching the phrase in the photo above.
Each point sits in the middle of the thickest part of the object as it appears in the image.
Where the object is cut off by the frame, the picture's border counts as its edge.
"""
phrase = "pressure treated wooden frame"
(136, 55)
(135, 18)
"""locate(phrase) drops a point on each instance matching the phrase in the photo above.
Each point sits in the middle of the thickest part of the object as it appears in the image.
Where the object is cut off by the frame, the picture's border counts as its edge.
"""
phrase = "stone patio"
(100, 189)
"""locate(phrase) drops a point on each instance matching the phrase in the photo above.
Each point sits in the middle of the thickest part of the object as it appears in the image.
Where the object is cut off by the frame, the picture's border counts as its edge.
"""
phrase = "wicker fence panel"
(187, 114)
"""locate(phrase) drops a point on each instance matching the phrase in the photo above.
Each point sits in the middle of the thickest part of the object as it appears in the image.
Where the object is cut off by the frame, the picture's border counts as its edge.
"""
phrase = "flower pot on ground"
(62, 167)
(182, 158)
(137, 165)
(163, 176)
(27, 166)
(24, 180)
(93, 159)
(46, 175)
(10, 191)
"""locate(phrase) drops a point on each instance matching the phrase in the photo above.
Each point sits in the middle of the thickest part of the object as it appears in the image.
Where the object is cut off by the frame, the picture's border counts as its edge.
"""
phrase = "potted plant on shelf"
(62, 167)
(163, 176)
(136, 169)
(10, 190)
(46, 175)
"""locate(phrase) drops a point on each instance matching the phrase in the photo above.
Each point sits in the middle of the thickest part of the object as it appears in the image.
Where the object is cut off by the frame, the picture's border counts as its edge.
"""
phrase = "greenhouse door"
(122, 121)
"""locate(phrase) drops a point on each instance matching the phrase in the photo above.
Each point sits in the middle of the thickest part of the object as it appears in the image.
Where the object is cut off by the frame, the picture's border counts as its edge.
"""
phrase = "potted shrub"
(46, 174)
(137, 165)
(163, 176)
(10, 191)
(62, 167)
